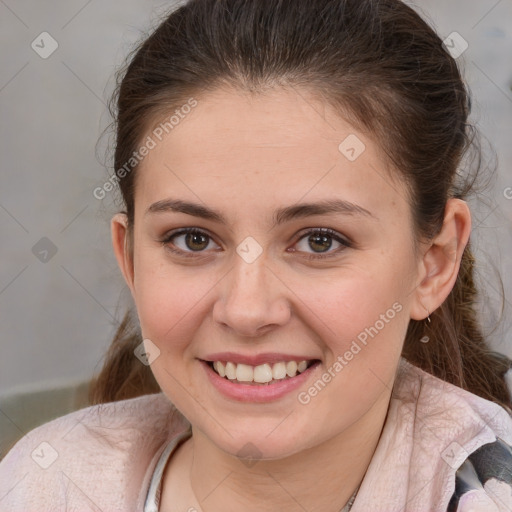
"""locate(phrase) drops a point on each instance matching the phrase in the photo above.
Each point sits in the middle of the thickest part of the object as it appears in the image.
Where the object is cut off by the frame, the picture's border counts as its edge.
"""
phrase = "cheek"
(163, 306)
(354, 295)
(359, 308)
(361, 323)
(168, 298)
(168, 312)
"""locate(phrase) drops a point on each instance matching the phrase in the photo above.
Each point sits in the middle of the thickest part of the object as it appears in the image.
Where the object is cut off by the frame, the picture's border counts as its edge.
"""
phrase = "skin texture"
(310, 455)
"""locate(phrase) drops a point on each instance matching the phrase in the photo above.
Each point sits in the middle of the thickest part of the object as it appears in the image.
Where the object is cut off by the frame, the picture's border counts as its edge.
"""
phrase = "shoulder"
(442, 405)
(484, 480)
(67, 460)
(472, 435)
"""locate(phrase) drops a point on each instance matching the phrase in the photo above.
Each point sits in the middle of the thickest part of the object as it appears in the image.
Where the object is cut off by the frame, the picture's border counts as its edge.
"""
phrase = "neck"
(320, 478)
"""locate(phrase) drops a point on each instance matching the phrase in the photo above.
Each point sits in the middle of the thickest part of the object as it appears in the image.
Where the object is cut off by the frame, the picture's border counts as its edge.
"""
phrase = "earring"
(428, 312)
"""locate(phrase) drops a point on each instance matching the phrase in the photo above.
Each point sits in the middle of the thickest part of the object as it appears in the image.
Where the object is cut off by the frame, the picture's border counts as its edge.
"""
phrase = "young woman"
(296, 241)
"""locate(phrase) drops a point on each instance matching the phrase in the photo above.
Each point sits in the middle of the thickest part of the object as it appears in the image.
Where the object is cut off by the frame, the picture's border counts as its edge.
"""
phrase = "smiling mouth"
(261, 375)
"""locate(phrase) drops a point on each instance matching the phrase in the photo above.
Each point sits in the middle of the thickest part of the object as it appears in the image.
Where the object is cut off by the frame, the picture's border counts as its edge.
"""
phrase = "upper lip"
(255, 360)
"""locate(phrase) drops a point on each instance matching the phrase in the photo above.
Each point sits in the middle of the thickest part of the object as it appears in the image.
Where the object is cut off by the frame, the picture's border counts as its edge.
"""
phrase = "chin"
(253, 444)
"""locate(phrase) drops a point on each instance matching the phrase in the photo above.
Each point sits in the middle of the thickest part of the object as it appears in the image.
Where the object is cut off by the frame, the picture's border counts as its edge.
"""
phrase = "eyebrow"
(280, 216)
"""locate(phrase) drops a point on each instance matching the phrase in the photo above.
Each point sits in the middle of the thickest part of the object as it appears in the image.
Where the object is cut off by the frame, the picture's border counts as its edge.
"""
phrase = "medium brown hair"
(386, 71)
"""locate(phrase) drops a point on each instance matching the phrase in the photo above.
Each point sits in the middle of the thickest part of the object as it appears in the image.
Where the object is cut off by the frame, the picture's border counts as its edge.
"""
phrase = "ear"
(440, 263)
(121, 244)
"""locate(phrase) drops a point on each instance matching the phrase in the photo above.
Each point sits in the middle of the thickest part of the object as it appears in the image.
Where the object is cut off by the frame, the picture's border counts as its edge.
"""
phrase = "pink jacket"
(102, 458)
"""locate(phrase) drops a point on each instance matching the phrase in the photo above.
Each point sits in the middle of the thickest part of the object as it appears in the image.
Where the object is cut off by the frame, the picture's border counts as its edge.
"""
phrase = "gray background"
(58, 316)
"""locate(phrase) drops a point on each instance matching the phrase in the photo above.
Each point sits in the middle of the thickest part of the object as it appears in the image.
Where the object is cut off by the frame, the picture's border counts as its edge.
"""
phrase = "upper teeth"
(261, 373)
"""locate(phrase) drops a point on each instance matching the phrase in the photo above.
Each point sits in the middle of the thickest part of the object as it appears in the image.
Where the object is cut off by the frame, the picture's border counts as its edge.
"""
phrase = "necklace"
(153, 495)
(350, 502)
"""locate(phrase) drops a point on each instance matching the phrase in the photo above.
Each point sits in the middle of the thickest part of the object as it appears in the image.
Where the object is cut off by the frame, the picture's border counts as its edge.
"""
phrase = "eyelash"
(315, 231)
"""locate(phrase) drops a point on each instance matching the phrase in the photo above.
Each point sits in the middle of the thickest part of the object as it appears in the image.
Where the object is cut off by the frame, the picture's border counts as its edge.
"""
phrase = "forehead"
(281, 146)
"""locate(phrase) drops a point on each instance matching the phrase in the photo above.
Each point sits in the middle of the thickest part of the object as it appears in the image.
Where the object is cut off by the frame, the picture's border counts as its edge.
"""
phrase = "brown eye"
(196, 241)
(192, 240)
(320, 240)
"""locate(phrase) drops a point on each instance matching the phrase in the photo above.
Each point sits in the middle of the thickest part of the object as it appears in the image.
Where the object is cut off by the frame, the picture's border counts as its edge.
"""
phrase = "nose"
(252, 299)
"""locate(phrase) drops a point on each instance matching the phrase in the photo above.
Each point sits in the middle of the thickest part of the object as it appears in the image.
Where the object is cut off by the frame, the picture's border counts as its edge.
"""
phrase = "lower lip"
(258, 393)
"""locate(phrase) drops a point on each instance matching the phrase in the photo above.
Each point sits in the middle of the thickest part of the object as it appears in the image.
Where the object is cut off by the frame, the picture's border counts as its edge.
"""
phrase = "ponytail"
(123, 376)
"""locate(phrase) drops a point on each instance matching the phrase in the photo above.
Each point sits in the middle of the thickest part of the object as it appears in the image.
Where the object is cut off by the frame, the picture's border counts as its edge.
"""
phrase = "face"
(271, 286)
